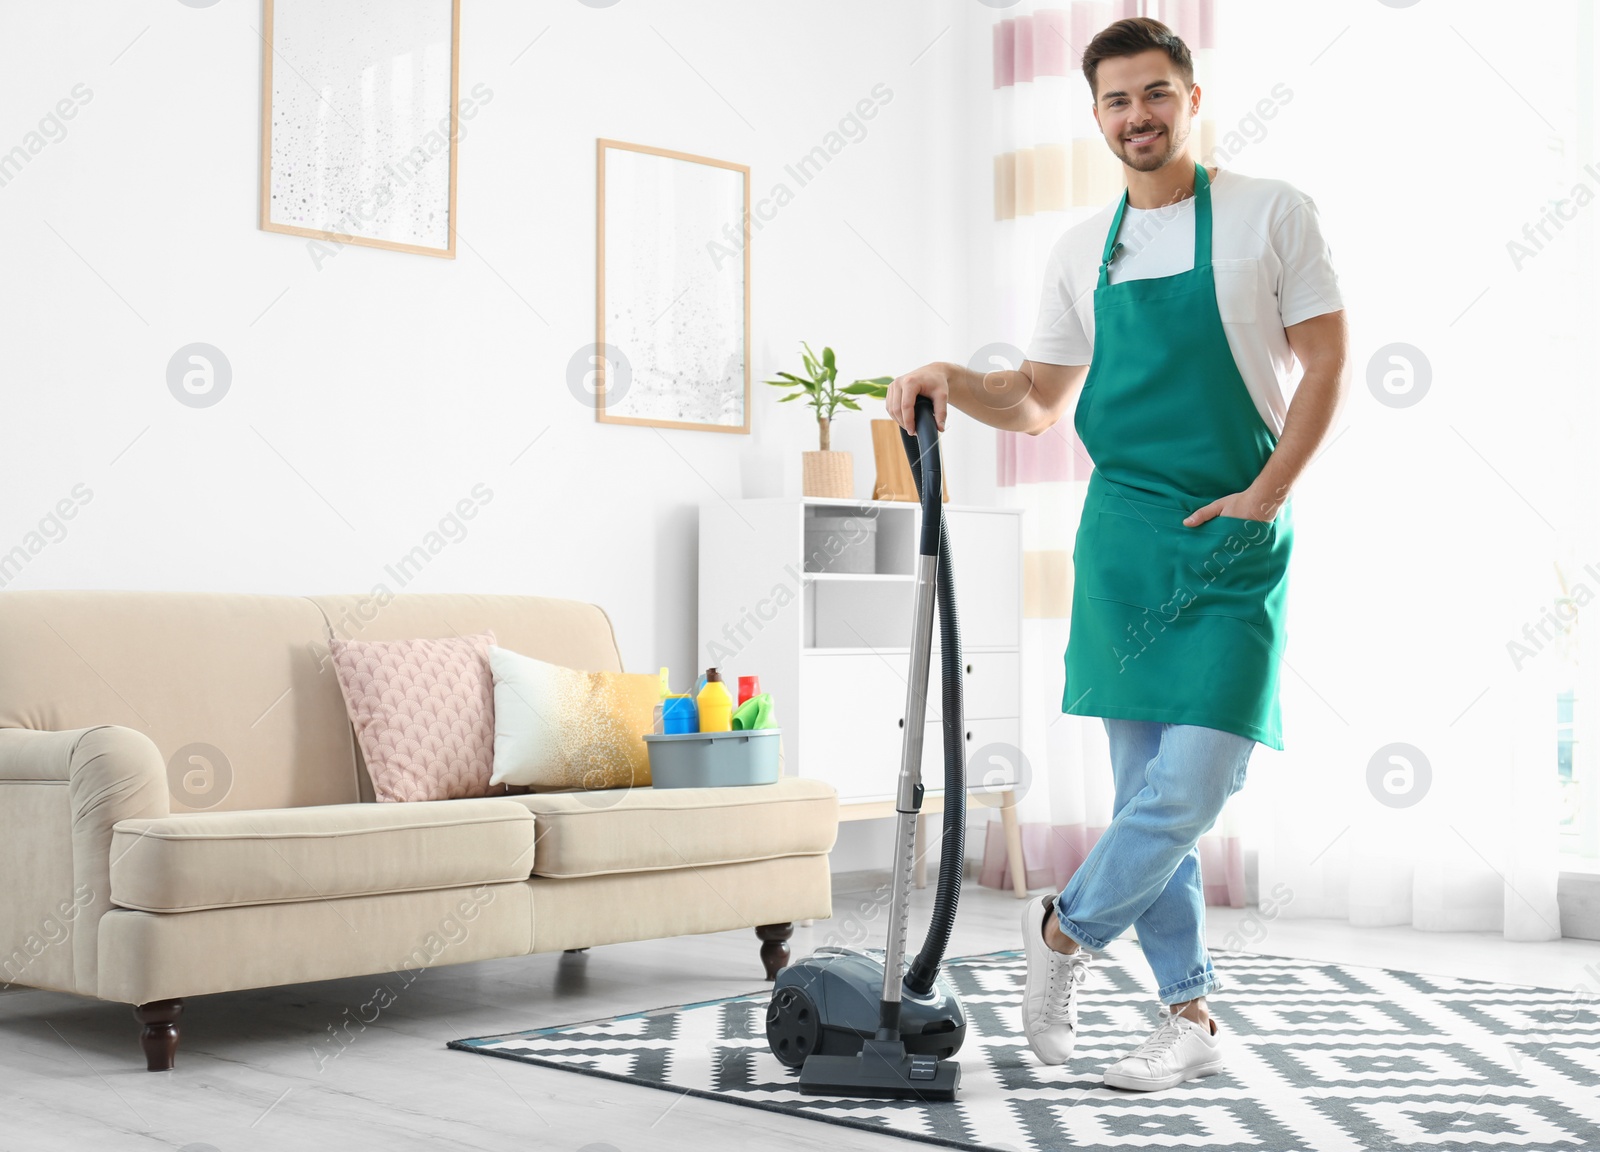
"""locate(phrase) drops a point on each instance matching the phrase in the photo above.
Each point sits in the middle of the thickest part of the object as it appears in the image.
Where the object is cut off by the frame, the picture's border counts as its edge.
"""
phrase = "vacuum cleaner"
(862, 1022)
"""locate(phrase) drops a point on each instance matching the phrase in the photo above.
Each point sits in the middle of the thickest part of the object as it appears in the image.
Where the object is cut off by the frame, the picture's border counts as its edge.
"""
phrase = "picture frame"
(672, 289)
(356, 114)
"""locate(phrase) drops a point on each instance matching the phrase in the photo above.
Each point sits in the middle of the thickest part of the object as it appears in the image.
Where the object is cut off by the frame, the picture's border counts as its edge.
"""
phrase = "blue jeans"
(1171, 783)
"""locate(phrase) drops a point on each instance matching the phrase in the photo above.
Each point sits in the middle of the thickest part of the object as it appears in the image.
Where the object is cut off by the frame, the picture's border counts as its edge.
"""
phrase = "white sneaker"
(1049, 1006)
(1179, 1050)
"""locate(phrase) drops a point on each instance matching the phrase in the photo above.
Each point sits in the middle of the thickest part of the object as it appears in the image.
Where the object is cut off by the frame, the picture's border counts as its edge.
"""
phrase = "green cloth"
(755, 712)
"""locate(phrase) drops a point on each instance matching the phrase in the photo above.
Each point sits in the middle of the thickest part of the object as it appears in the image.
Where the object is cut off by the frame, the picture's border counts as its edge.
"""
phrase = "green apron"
(1172, 623)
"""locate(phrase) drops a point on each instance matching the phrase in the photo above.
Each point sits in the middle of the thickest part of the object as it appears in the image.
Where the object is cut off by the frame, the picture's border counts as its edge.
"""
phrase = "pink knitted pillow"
(423, 711)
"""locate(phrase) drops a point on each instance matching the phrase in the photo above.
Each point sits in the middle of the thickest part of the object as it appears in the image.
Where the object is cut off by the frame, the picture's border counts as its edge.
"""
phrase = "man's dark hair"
(1129, 38)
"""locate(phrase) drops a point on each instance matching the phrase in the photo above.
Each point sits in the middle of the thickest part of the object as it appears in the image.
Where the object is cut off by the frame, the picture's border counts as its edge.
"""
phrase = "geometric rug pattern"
(1323, 1057)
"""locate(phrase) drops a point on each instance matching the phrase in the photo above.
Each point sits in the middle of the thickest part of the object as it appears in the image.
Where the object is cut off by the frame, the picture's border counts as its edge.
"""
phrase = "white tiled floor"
(261, 1070)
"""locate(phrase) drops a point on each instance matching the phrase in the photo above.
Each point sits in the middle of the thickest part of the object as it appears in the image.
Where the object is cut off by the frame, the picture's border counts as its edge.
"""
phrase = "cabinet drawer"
(991, 686)
(851, 725)
(992, 758)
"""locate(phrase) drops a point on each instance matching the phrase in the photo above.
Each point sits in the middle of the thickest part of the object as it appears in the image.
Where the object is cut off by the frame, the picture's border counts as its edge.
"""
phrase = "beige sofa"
(184, 810)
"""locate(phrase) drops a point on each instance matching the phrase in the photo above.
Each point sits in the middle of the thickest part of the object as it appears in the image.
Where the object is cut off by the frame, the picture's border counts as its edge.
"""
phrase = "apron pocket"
(1227, 566)
(1131, 560)
(1230, 566)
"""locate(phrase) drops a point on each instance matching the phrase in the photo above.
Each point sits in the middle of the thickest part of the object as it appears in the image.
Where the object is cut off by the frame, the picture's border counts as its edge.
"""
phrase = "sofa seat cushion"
(612, 830)
(197, 860)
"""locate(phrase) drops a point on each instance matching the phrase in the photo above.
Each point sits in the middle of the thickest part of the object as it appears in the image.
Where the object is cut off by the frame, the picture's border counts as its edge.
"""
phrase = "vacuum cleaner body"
(860, 1023)
(828, 1004)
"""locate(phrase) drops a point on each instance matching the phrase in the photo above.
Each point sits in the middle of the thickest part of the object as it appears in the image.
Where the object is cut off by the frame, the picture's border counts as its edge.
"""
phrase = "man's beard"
(1154, 156)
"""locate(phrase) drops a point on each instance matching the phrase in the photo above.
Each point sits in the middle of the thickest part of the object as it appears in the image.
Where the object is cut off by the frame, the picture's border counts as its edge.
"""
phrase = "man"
(1178, 312)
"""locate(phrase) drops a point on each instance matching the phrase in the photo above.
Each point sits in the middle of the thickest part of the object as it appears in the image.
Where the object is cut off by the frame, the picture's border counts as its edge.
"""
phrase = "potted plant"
(825, 472)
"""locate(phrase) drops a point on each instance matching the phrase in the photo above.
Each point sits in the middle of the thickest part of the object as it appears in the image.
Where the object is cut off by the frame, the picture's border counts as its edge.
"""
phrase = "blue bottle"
(679, 714)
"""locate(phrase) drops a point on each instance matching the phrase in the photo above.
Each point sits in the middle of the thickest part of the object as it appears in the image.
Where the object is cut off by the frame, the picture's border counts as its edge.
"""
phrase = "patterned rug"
(1324, 1057)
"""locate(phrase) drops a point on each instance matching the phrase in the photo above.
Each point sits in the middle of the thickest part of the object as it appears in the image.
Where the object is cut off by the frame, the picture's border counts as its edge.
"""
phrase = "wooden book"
(894, 480)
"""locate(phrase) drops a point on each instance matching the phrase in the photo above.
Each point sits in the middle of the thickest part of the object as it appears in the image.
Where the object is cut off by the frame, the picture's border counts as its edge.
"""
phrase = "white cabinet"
(833, 647)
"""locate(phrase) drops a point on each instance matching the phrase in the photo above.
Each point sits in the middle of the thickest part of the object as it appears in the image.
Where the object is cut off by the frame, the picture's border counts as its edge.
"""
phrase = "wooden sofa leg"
(774, 946)
(159, 1038)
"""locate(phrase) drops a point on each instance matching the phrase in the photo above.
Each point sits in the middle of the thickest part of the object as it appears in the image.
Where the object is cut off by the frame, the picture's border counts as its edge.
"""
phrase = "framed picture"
(358, 122)
(672, 312)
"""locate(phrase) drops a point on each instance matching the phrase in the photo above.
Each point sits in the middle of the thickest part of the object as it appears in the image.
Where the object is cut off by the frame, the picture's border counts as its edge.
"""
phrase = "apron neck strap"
(1202, 217)
(1202, 226)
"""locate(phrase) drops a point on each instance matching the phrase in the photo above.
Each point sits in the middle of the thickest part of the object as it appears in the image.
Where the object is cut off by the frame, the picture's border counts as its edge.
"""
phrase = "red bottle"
(749, 686)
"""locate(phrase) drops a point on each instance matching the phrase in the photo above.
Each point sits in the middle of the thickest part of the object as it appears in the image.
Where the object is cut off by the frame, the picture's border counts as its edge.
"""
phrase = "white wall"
(372, 393)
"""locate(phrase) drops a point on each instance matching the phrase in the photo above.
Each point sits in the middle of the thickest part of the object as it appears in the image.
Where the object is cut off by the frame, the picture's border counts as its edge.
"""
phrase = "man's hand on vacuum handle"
(1028, 399)
(932, 381)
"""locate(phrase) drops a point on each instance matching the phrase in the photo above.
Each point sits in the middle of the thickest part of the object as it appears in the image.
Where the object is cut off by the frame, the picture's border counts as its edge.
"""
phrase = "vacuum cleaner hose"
(922, 451)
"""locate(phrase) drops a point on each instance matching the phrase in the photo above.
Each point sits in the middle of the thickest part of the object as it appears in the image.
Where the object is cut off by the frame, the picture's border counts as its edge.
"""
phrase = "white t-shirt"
(1271, 264)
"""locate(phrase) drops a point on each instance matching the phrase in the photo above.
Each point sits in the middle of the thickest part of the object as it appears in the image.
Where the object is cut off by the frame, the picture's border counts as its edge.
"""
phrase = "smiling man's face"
(1143, 108)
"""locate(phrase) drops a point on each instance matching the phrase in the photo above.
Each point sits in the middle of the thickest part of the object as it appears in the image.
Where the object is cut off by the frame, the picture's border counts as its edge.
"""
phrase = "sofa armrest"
(60, 795)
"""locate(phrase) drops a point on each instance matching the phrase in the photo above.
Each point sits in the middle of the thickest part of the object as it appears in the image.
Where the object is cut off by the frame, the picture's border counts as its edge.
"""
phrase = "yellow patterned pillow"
(557, 728)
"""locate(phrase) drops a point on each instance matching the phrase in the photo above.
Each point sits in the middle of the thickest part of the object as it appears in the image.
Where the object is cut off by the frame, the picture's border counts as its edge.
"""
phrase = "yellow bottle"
(714, 704)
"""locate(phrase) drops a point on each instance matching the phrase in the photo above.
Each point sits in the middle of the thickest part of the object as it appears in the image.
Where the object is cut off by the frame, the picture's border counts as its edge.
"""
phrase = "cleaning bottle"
(657, 723)
(677, 711)
(714, 704)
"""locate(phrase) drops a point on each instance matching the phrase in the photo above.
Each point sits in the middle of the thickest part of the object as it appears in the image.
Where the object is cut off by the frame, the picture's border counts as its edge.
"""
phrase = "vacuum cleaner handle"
(923, 451)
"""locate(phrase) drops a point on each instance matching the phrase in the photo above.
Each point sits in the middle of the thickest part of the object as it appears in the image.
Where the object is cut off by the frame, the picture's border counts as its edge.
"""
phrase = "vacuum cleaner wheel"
(793, 1027)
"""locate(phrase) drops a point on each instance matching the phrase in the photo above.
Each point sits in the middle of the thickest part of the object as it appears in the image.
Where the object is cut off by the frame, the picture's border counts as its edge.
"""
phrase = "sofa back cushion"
(567, 632)
(238, 690)
(234, 689)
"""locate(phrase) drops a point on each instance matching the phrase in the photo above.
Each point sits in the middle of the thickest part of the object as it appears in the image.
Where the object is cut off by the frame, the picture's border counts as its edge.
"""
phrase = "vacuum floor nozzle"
(883, 1068)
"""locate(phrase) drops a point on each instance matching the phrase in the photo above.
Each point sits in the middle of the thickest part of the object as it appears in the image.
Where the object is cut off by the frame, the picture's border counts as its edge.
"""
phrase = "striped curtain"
(1053, 168)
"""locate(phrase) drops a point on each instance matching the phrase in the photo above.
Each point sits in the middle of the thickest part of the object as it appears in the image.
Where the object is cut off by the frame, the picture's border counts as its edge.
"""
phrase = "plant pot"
(827, 474)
